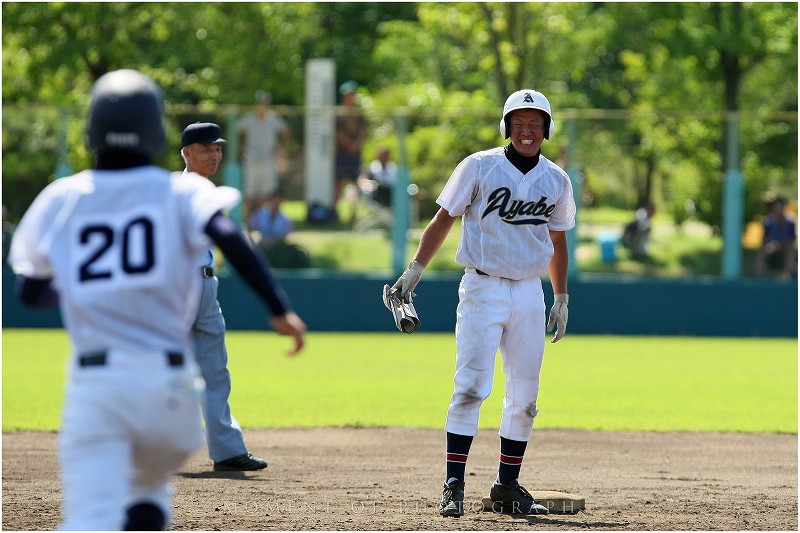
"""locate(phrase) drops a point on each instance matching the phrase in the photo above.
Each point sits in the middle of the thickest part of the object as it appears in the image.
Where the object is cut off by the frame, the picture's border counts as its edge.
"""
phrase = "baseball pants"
(223, 433)
(127, 427)
(497, 313)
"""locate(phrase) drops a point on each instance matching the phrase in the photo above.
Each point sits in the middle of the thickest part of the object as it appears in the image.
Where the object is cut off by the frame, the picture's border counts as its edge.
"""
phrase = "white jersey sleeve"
(460, 190)
(34, 233)
(204, 199)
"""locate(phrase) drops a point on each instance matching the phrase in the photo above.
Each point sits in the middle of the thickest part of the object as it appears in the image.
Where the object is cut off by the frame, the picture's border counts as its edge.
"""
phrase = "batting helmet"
(125, 116)
(527, 99)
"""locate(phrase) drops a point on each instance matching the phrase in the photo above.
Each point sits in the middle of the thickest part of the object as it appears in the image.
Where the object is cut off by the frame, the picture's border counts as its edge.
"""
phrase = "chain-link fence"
(618, 161)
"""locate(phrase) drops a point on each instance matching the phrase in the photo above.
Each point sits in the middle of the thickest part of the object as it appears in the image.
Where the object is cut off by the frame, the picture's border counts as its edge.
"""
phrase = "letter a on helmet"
(527, 99)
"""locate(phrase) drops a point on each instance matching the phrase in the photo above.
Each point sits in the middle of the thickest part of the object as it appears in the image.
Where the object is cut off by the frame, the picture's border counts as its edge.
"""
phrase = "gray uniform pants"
(223, 433)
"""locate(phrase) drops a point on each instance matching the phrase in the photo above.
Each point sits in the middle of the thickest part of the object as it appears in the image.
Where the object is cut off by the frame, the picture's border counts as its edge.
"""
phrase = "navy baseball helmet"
(126, 115)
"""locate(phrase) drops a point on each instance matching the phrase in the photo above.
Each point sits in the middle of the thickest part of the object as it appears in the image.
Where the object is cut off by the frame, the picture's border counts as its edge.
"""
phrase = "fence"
(599, 305)
(615, 158)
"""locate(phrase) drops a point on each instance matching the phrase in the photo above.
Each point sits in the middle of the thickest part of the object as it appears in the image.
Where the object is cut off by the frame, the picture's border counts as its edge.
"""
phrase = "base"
(556, 502)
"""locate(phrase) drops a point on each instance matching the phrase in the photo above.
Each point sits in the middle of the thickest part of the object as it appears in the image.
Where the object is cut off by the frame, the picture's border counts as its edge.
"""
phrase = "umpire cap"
(201, 132)
(125, 115)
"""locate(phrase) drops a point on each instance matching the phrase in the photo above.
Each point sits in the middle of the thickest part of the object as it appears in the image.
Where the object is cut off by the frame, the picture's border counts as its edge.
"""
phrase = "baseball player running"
(113, 245)
(515, 206)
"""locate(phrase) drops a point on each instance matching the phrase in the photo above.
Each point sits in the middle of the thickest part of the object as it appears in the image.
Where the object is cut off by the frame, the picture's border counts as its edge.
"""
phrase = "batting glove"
(558, 316)
(407, 282)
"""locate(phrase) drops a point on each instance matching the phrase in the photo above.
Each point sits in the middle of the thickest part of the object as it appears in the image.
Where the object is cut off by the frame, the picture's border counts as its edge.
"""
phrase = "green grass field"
(389, 379)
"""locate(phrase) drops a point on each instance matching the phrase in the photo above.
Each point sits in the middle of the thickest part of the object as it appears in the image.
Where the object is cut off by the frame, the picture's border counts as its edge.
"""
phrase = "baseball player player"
(201, 150)
(112, 245)
(516, 206)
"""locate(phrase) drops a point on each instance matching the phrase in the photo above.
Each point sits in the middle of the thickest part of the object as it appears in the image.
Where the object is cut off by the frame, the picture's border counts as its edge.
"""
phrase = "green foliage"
(198, 52)
(389, 379)
(24, 133)
(665, 74)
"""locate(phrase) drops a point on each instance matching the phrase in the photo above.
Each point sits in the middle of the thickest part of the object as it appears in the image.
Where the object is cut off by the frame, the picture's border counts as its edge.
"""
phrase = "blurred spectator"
(378, 180)
(636, 234)
(351, 132)
(269, 227)
(777, 252)
(268, 222)
(262, 132)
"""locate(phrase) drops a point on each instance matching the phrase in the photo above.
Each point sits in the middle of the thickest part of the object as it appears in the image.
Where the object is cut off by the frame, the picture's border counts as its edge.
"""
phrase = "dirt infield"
(390, 479)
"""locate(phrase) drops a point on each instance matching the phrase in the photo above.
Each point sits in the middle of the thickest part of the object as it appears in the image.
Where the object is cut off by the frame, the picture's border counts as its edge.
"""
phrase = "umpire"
(201, 149)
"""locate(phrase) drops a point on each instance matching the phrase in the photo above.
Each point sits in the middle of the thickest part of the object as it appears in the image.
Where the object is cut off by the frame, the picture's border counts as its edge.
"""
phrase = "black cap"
(201, 132)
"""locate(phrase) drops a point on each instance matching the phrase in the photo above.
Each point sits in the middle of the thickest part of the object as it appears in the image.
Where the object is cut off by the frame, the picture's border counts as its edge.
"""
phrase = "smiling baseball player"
(114, 245)
(516, 206)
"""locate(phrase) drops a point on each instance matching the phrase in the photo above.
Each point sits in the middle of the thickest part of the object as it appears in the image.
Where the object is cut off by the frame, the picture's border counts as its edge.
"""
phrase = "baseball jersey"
(262, 135)
(507, 216)
(119, 246)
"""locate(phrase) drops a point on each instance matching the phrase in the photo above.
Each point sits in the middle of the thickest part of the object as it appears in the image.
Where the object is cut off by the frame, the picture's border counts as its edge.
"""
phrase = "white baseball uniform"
(118, 246)
(505, 247)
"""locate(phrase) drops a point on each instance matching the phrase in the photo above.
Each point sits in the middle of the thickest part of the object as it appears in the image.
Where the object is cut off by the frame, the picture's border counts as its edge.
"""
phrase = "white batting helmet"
(527, 99)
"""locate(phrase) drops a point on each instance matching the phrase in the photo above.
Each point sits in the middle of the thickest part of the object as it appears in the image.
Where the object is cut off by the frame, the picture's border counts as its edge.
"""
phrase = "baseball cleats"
(246, 461)
(514, 499)
(452, 503)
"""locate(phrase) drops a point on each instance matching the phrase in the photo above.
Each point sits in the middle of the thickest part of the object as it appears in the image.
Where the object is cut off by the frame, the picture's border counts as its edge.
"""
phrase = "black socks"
(457, 452)
(511, 454)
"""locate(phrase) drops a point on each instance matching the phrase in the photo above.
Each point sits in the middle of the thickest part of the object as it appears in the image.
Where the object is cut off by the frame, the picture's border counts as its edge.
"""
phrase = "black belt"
(100, 359)
(208, 271)
(481, 272)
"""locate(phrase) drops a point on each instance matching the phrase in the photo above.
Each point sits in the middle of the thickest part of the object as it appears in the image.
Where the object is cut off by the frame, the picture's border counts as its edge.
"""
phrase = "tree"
(664, 75)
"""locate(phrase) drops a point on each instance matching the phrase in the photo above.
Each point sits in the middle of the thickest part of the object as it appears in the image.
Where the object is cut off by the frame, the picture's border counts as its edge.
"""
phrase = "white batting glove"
(558, 316)
(406, 283)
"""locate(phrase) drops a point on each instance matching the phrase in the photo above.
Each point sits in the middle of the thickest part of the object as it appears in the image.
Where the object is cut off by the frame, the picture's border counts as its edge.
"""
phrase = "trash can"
(608, 246)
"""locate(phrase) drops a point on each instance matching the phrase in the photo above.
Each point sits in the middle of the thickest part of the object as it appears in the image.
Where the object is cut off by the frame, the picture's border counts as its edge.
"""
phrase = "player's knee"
(470, 397)
(145, 517)
(472, 388)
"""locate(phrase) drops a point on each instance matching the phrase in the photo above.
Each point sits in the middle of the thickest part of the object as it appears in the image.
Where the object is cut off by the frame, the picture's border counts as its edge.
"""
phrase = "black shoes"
(452, 503)
(243, 462)
(514, 499)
